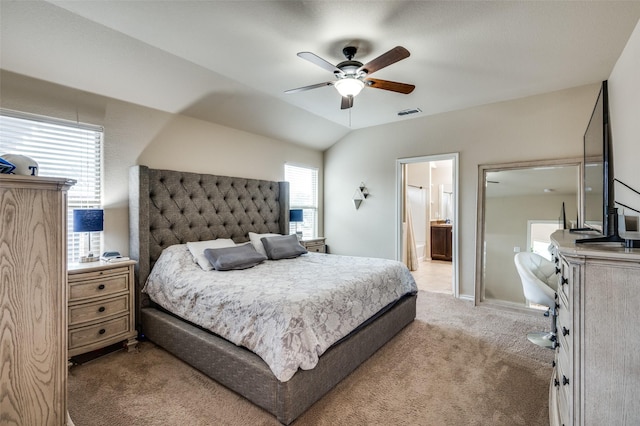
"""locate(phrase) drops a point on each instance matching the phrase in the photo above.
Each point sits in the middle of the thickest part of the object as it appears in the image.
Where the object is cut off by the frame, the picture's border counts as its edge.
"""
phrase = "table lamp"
(88, 220)
(296, 216)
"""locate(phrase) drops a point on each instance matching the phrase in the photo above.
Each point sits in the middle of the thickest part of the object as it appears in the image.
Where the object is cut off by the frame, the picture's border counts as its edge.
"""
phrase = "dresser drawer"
(98, 287)
(85, 336)
(565, 282)
(95, 311)
(554, 406)
(563, 333)
(564, 396)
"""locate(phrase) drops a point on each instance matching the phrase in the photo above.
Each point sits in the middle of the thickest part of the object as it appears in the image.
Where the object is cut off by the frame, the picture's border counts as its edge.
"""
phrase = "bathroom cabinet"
(441, 238)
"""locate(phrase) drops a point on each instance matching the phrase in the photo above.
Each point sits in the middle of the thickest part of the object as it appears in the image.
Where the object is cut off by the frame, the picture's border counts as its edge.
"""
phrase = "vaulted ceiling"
(230, 62)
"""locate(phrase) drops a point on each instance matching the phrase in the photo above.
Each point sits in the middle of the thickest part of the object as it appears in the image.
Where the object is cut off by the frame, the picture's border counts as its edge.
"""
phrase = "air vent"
(409, 111)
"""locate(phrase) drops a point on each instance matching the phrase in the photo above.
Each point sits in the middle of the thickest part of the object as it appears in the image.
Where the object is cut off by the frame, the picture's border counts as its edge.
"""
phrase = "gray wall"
(540, 127)
(140, 135)
(624, 97)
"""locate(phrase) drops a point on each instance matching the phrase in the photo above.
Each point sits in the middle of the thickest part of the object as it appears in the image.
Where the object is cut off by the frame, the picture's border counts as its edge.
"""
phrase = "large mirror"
(519, 206)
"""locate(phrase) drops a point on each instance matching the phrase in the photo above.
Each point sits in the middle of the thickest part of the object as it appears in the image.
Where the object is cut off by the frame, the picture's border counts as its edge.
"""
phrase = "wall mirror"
(519, 206)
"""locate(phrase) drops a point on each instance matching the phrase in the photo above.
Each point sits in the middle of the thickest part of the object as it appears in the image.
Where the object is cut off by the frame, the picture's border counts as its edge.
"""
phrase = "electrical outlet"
(516, 249)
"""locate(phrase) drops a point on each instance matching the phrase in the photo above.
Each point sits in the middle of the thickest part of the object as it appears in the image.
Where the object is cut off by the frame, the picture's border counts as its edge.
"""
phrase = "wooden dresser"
(596, 377)
(101, 306)
(33, 300)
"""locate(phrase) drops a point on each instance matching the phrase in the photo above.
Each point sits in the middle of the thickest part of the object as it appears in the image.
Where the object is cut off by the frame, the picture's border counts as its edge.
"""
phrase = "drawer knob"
(101, 309)
(565, 381)
(101, 287)
(102, 331)
(565, 331)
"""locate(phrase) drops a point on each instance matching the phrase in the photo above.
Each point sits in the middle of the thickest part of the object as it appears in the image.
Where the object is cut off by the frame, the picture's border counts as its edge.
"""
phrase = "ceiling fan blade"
(391, 57)
(305, 88)
(347, 102)
(315, 59)
(393, 86)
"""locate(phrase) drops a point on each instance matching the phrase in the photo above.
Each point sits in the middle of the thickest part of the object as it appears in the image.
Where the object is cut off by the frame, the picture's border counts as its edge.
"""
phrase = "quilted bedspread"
(286, 311)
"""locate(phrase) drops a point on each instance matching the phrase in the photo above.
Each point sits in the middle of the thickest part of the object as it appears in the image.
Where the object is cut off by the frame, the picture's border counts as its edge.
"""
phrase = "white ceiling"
(230, 62)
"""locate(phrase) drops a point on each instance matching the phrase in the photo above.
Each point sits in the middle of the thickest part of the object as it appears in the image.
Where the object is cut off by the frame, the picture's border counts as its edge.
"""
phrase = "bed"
(171, 208)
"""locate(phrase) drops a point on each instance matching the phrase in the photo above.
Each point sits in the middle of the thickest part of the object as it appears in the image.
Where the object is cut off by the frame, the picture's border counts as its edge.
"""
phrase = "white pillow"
(257, 244)
(197, 250)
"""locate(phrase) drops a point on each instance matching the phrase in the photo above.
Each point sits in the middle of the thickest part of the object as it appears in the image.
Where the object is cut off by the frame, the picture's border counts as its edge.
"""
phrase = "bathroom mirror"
(519, 206)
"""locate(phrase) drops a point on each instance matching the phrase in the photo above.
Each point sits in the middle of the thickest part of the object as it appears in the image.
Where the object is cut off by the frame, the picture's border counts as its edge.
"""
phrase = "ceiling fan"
(352, 76)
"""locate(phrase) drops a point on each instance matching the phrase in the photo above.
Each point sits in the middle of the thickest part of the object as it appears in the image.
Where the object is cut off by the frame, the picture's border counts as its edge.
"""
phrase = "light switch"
(516, 249)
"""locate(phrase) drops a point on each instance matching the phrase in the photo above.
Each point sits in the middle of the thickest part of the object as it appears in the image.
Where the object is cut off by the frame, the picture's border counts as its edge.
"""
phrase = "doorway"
(427, 220)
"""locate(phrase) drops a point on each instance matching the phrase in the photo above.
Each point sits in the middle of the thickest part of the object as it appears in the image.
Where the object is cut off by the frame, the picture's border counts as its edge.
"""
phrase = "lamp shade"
(349, 86)
(295, 215)
(88, 220)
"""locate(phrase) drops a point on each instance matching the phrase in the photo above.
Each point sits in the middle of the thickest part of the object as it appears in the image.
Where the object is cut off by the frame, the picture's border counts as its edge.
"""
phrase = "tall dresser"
(33, 298)
(596, 376)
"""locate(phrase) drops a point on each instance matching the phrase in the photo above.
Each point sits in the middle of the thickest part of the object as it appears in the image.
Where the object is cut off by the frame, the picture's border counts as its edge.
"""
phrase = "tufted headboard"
(168, 207)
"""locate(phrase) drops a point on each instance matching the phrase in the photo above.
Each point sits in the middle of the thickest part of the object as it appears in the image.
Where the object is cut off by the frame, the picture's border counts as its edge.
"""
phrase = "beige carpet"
(455, 365)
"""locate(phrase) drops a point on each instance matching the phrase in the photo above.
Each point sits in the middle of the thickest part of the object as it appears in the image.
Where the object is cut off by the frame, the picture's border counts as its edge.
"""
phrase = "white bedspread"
(286, 311)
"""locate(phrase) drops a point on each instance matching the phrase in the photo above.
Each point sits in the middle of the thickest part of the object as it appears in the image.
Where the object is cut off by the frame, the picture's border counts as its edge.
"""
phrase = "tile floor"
(434, 275)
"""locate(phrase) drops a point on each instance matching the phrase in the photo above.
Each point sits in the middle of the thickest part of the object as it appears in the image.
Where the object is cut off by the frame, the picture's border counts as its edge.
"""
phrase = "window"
(303, 194)
(539, 236)
(62, 149)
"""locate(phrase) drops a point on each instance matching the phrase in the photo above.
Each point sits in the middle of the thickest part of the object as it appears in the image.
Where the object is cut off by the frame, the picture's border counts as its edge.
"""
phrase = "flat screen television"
(599, 212)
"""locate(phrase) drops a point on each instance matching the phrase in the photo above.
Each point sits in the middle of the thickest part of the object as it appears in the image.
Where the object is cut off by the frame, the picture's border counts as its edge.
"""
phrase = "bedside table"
(316, 245)
(101, 306)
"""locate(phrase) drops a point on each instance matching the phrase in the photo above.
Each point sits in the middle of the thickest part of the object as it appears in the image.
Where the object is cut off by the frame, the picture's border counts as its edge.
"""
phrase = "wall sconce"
(88, 220)
(296, 216)
(360, 195)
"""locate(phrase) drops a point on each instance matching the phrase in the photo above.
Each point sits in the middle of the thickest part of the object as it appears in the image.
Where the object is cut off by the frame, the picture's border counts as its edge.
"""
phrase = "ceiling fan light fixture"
(349, 86)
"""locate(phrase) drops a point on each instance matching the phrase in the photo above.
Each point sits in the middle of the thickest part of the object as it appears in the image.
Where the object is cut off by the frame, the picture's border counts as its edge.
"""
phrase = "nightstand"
(101, 306)
(316, 245)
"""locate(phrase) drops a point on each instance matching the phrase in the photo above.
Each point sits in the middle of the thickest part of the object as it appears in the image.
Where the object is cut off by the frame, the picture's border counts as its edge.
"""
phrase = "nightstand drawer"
(93, 311)
(75, 275)
(317, 248)
(85, 336)
(99, 287)
(316, 245)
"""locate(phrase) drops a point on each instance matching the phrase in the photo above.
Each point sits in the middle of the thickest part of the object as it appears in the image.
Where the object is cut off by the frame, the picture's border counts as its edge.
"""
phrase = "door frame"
(455, 157)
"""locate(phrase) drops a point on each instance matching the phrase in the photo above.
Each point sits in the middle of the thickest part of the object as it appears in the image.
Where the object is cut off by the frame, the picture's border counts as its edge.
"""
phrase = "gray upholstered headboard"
(168, 207)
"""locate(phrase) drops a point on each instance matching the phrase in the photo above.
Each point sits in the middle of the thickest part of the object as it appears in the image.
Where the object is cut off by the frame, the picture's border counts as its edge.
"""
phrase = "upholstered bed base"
(247, 374)
(170, 207)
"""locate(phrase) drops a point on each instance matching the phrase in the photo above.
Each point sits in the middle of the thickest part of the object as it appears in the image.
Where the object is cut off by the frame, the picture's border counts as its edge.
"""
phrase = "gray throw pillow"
(283, 247)
(238, 257)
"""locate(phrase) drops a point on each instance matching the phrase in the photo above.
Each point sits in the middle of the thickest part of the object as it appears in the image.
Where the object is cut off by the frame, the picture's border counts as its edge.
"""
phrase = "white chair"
(539, 282)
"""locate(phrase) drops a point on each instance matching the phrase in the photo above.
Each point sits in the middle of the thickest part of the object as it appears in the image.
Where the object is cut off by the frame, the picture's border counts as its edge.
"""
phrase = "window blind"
(303, 194)
(62, 149)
